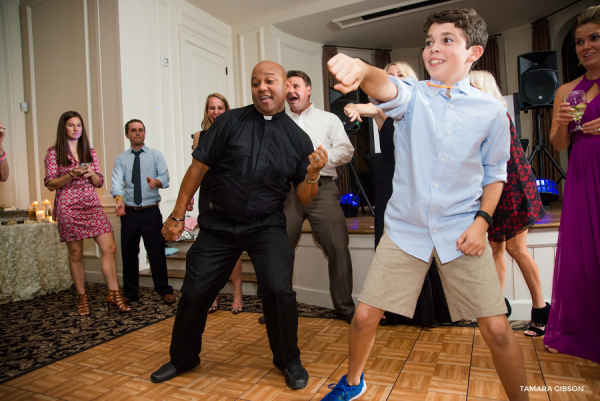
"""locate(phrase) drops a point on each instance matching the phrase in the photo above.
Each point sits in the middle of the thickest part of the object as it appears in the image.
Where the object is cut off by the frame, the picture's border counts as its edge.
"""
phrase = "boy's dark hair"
(135, 120)
(466, 19)
(301, 74)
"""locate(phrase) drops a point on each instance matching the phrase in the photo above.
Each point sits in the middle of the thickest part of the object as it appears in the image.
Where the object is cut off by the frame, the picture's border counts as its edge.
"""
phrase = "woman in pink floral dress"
(73, 171)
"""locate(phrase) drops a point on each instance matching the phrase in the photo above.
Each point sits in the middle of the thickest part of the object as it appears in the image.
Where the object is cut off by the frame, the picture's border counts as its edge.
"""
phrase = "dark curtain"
(541, 41)
(382, 58)
(490, 60)
(328, 80)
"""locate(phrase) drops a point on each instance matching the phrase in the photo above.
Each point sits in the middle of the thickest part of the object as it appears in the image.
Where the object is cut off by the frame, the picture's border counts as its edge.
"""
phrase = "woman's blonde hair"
(405, 69)
(485, 82)
(205, 121)
(589, 16)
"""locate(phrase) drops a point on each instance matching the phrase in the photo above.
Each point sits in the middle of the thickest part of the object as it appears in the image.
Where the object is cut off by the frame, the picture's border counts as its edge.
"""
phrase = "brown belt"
(141, 207)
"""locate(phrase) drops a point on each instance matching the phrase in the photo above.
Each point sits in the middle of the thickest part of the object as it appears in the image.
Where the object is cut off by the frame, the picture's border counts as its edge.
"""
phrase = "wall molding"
(12, 161)
(259, 36)
(36, 145)
(207, 31)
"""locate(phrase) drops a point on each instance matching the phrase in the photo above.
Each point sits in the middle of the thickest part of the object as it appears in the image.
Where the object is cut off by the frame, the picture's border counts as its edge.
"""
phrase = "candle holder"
(47, 205)
(31, 213)
(40, 214)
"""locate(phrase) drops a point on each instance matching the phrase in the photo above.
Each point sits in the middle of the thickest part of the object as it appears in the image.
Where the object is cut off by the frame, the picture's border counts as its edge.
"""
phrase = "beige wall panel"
(56, 45)
(15, 191)
(105, 88)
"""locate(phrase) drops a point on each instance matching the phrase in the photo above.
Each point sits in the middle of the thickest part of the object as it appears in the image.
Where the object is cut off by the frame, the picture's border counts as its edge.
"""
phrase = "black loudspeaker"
(538, 79)
(337, 102)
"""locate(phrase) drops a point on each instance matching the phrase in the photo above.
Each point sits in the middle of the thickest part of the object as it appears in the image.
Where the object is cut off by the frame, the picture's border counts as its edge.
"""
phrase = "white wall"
(13, 192)
(151, 91)
(266, 42)
(413, 56)
(298, 54)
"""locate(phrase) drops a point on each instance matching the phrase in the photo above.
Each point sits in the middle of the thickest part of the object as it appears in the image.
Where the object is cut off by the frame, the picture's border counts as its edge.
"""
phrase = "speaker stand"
(541, 149)
(357, 182)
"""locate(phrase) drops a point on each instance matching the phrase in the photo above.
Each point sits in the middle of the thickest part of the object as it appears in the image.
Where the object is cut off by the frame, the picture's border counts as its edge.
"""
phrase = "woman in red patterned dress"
(73, 171)
(519, 208)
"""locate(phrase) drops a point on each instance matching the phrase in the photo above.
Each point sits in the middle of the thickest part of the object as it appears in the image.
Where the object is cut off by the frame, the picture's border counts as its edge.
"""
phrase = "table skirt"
(33, 261)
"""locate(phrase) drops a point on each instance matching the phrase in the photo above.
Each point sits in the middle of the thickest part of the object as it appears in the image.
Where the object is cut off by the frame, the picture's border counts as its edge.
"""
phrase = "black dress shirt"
(206, 185)
(253, 161)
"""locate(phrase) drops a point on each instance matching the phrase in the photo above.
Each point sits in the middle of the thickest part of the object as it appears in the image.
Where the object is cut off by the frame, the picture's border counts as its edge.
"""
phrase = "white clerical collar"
(268, 117)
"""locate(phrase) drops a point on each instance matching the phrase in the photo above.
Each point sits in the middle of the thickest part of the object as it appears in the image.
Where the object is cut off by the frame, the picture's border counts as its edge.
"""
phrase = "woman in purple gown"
(574, 324)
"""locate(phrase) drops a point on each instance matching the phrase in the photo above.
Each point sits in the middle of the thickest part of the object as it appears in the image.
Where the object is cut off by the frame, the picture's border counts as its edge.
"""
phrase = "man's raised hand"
(318, 159)
(349, 71)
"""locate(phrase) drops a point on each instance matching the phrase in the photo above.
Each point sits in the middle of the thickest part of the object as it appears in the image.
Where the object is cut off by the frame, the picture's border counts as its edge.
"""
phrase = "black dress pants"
(209, 264)
(146, 224)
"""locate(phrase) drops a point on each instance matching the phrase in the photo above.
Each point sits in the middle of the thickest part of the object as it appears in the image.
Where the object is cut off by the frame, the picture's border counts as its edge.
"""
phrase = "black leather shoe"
(296, 377)
(262, 320)
(164, 373)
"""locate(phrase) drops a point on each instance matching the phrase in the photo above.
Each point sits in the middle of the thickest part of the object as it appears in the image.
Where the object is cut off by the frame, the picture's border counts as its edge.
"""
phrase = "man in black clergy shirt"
(255, 152)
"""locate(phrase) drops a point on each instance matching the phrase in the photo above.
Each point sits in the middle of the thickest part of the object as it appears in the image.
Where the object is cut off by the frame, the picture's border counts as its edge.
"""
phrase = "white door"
(204, 71)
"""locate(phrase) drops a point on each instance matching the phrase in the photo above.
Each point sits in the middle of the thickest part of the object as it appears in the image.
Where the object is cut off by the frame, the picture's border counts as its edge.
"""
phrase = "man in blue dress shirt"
(137, 175)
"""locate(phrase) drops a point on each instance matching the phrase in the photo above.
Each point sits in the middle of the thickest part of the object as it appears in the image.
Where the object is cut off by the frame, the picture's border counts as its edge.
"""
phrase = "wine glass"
(578, 102)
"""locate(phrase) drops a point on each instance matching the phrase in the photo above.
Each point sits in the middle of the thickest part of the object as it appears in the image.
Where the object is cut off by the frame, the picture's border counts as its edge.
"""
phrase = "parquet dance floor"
(407, 363)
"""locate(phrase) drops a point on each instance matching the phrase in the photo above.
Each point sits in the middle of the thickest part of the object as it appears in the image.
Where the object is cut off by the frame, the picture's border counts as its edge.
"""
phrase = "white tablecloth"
(33, 261)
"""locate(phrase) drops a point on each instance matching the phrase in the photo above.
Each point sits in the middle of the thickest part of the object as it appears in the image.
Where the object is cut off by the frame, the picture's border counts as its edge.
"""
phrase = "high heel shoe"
(213, 308)
(539, 318)
(509, 309)
(83, 306)
(114, 298)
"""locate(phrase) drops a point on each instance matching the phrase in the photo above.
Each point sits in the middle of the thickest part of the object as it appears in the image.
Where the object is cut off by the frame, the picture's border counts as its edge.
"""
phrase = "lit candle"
(46, 202)
(40, 215)
(35, 203)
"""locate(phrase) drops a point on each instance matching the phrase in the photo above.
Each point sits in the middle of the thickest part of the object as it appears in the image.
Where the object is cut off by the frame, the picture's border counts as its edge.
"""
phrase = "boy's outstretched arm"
(472, 242)
(352, 73)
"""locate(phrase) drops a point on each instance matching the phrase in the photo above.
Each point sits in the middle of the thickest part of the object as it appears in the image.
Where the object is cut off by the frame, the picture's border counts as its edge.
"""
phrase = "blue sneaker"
(343, 392)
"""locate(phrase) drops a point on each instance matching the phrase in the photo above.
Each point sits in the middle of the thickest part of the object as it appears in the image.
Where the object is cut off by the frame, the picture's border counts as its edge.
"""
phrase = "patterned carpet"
(47, 329)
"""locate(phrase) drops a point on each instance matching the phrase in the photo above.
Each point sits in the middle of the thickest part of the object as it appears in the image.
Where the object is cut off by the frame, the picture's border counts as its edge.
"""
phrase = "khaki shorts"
(395, 280)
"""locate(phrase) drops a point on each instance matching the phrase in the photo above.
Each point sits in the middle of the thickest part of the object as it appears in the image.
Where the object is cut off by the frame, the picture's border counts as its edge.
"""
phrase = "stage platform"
(364, 224)
(311, 279)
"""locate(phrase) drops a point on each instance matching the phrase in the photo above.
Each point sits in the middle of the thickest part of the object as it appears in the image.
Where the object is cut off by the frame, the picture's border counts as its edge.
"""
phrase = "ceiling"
(312, 19)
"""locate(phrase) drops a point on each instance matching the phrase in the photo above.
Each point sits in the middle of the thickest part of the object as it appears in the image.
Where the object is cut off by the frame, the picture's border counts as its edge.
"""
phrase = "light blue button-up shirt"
(152, 164)
(447, 150)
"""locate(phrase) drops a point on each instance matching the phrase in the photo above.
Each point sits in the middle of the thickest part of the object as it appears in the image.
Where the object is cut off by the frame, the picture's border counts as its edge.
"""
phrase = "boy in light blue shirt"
(452, 144)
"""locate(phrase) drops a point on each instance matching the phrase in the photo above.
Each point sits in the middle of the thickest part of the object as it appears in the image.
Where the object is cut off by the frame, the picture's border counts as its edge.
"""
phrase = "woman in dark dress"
(575, 317)
(519, 208)
(216, 104)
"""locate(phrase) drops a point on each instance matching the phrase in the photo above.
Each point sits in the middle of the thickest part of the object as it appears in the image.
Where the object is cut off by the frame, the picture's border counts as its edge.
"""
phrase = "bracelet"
(119, 197)
(486, 216)
(72, 176)
(173, 218)
(311, 182)
(3, 157)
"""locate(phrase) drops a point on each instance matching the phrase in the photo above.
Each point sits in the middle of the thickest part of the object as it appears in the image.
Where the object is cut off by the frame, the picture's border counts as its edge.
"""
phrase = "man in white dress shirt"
(324, 213)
